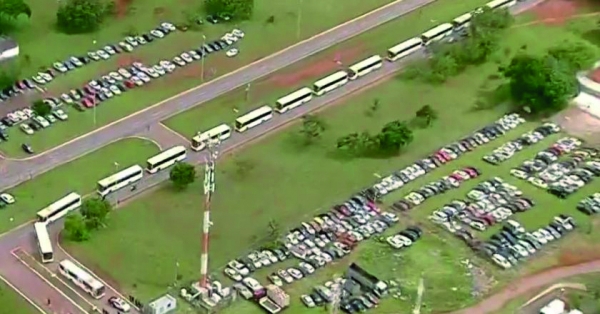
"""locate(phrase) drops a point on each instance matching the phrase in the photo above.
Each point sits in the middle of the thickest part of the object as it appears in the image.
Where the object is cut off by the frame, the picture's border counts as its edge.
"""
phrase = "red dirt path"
(122, 7)
(556, 12)
(317, 68)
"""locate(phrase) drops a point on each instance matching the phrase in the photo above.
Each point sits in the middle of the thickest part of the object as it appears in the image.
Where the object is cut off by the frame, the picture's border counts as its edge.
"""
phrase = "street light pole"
(203, 57)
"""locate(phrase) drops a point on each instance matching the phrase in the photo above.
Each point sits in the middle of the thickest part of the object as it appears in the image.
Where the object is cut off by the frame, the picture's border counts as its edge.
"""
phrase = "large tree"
(76, 229)
(95, 211)
(236, 9)
(489, 20)
(427, 114)
(540, 84)
(41, 108)
(576, 55)
(81, 16)
(182, 175)
(14, 8)
(394, 136)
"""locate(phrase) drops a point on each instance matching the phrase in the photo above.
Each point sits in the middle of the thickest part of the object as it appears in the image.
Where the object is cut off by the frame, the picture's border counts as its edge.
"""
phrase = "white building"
(558, 306)
(8, 48)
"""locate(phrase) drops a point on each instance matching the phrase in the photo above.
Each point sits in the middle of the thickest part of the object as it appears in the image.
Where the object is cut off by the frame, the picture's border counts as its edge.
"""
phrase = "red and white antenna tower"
(209, 189)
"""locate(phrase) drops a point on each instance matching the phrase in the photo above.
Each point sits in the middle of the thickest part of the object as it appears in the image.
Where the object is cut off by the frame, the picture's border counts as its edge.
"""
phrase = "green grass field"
(318, 16)
(278, 179)
(12, 303)
(78, 176)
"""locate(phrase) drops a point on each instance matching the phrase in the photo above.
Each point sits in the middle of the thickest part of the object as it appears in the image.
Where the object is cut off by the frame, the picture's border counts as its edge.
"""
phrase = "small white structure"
(162, 305)
(8, 48)
(555, 306)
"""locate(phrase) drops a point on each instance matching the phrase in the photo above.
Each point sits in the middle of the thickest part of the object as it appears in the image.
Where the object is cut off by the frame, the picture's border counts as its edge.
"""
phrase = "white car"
(76, 62)
(156, 33)
(26, 129)
(125, 46)
(124, 73)
(295, 273)
(93, 55)
(142, 76)
(238, 33)
(160, 70)
(186, 57)
(107, 92)
(306, 266)
(66, 98)
(60, 67)
(7, 198)
(115, 90)
(110, 50)
(115, 76)
(501, 261)
(60, 115)
(231, 273)
(252, 284)
(119, 304)
(307, 300)
(179, 61)
(168, 26)
(137, 81)
(152, 73)
(232, 52)
(103, 54)
(394, 242)
(274, 279)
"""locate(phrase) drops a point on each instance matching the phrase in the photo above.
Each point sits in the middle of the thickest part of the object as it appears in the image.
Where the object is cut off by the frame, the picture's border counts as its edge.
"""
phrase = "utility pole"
(420, 290)
(202, 61)
(212, 153)
(247, 92)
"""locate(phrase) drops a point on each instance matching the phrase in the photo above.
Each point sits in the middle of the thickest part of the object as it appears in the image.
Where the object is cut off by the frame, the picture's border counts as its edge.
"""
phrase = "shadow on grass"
(491, 98)
(592, 36)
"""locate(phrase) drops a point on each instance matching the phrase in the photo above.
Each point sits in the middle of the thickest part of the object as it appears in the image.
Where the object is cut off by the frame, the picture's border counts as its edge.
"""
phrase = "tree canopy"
(540, 85)
(394, 136)
(576, 55)
(76, 229)
(14, 8)
(81, 16)
(95, 211)
(182, 175)
(236, 9)
(41, 108)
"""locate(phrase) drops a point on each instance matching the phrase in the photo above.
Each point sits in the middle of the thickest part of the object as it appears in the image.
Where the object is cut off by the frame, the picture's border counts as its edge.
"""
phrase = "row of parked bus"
(340, 78)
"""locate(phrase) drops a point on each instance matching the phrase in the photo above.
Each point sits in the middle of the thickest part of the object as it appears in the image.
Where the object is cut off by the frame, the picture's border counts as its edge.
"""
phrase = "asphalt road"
(16, 172)
(23, 236)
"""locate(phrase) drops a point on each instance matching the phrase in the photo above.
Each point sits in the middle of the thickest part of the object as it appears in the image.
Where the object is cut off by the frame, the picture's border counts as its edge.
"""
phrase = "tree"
(236, 9)
(9, 74)
(14, 8)
(81, 16)
(95, 212)
(489, 20)
(442, 67)
(41, 108)
(182, 175)
(394, 136)
(427, 114)
(357, 143)
(312, 128)
(576, 55)
(76, 229)
(540, 84)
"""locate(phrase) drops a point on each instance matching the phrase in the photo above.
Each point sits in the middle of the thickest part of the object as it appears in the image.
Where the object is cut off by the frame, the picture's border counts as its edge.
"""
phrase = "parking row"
(509, 149)
(74, 62)
(490, 202)
(446, 154)
(561, 169)
(590, 205)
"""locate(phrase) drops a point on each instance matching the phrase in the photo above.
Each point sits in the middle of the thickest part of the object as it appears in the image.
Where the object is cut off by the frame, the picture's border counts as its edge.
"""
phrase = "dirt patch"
(556, 12)
(122, 7)
(318, 68)
(159, 11)
(580, 124)
(570, 257)
(125, 60)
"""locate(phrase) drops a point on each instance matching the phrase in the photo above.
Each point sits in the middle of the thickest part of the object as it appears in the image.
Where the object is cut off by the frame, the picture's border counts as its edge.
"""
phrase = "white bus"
(221, 133)
(437, 33)
(119, 180)
(293, 100)
(365, 67)
(60, 208)
(81, 278)
(166, 159)
(44, 244)
(462, 21)
(495, 4)
(404, 48)
(330, 82)
(253, 118)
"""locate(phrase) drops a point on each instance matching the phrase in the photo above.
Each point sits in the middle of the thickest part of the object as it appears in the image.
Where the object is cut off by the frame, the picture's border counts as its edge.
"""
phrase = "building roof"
(7, 43)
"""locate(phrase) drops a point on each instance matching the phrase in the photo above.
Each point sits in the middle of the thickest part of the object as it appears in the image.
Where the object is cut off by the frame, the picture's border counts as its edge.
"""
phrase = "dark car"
(27, 148)
(3, 135)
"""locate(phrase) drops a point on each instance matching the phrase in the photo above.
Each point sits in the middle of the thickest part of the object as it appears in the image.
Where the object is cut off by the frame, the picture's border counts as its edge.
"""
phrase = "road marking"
(220, 78)
(23, 295)
(92, 273)
(12, 252)
(168, 129)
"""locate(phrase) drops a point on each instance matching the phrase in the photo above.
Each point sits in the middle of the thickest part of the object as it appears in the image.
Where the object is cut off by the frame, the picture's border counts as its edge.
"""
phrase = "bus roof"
(463, 18)
(123, 173)
(81, 274)
(213, 131)
(366, 62)
(496, 3)
(41, 233)
(405, 44)
(256, 112)
(59, 203)
(437, 30)
(165, 154)
(333, 77)
(295, 95)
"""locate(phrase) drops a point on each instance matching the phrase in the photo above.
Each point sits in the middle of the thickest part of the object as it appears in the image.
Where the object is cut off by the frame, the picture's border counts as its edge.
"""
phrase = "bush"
(82, 16)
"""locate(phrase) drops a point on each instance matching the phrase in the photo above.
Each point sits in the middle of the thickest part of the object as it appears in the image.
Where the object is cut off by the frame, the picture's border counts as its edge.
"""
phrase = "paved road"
(17, 172)
(137, 125)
